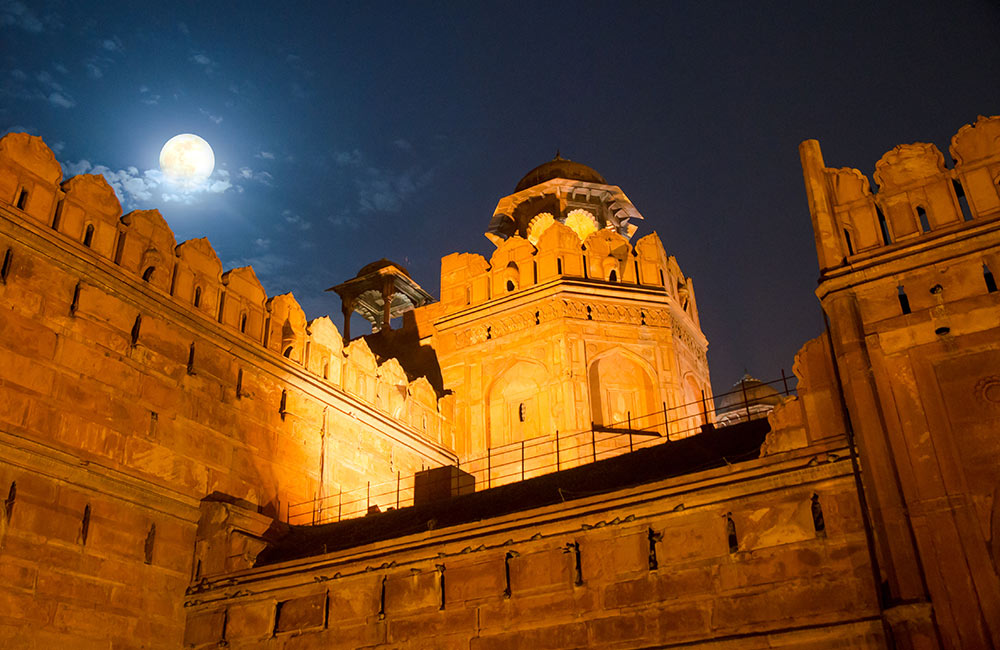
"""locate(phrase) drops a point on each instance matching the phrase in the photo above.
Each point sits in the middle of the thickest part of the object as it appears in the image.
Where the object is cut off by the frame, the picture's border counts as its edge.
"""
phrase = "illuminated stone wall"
(762, 554)
(136, 378)
(909, 286)
(566, 326)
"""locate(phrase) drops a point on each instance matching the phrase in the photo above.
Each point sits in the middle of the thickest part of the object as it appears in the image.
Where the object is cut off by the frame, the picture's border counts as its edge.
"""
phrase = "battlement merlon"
(918, 196)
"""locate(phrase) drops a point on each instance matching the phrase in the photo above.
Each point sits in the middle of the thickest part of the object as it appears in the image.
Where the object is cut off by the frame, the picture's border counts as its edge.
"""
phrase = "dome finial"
(558, 156)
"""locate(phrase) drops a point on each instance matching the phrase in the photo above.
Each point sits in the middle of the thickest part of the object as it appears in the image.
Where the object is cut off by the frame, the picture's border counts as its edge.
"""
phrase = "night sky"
(348, 132)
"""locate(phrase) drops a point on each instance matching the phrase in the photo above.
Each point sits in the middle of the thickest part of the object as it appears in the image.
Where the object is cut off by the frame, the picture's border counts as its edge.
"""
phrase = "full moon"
(187, 159)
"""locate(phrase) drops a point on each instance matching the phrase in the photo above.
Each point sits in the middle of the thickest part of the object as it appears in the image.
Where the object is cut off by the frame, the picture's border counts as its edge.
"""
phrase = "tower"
(568, 323)
(907, 283)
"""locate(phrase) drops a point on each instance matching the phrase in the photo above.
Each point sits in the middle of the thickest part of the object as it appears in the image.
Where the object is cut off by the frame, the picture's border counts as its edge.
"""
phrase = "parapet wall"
(136, 378)
(561, 250)
(918, 195)
(762, 554)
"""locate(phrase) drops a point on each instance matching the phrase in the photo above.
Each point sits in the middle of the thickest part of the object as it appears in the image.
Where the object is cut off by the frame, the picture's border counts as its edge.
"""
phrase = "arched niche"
(517, 404)
(621, 385)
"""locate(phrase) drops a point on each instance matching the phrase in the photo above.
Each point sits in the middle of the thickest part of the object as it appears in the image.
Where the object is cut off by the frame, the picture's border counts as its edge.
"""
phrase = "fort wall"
(137, 378)
(761, 554)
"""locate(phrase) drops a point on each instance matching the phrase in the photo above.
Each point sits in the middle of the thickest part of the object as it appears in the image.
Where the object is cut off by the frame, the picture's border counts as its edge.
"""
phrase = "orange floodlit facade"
(534, 459)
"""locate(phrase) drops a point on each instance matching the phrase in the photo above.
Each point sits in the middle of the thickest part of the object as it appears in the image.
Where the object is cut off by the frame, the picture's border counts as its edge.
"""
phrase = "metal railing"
(521, 460)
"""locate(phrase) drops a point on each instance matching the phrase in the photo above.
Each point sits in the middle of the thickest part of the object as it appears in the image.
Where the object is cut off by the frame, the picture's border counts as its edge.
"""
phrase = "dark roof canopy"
(559, 167)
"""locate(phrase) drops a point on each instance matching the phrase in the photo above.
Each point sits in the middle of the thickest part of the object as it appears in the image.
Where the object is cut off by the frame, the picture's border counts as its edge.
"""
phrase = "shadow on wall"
(404, 345)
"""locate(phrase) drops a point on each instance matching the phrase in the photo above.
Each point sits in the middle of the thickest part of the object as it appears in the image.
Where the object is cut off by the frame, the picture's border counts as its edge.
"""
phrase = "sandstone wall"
(562, 329)
(909, 286)
(767, 553)
(135, 379)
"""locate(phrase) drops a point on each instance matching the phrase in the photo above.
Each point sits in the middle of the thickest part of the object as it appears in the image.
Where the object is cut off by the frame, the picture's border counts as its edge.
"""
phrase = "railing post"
(522, 460)
(784, 380)
(368, 496)
(489, 469)
(746, 400)
(593, 441)
(397, 488)
(630, 431)
(557, 450)
(340, 502)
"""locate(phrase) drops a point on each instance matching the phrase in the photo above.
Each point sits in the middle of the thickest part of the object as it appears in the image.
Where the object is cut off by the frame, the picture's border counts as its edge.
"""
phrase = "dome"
(559, 167)
(758, 394)
(381, 264)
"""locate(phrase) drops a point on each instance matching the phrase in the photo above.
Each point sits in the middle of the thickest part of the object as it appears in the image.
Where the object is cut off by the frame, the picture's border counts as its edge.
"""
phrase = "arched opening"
(904, 300)
(326, 370)
(85, 526)
(287, 353)
(883, 226)
(512, 277)
(57, 217)
(88, 235)
(613, 276)
(847, 240)
(147, 275)
(517, 405)
(925, 225)
(197, 296)
(991, 283)
(136, 326)
(243, 323)
(5, 267)
(22, 199)
(621, 390)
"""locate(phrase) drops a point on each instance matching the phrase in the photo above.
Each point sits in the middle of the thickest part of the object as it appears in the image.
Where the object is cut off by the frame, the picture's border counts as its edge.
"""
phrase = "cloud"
(183, 29)
(296, 220)
(215, 118)
(42, 86)
(402, 145)
(61, 100)
(344, 221)
(113, 44)
(147, 97)
(202, 59)
(348, 158)
(135, 188)
(94, 70)
(381, 190)
(261, 177)
(17, 14)
(266, 155)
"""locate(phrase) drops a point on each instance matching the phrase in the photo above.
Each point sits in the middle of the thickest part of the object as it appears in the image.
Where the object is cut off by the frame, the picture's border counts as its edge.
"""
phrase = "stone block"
(567, 635)
(204, 628)
(437, 625)
(355, 599)
(17, 576)
(417, 591)
(302, 613)
(475, 581)
(541, 569)
(251, 620)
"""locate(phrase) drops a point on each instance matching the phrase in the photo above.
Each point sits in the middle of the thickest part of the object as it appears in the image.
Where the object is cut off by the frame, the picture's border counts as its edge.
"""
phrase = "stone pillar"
(388, 291)
(347, 306)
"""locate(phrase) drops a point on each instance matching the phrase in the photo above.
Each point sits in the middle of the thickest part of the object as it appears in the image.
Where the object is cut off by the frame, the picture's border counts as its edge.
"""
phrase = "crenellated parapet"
(468, 279)
(85, 210)
(918, 195)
